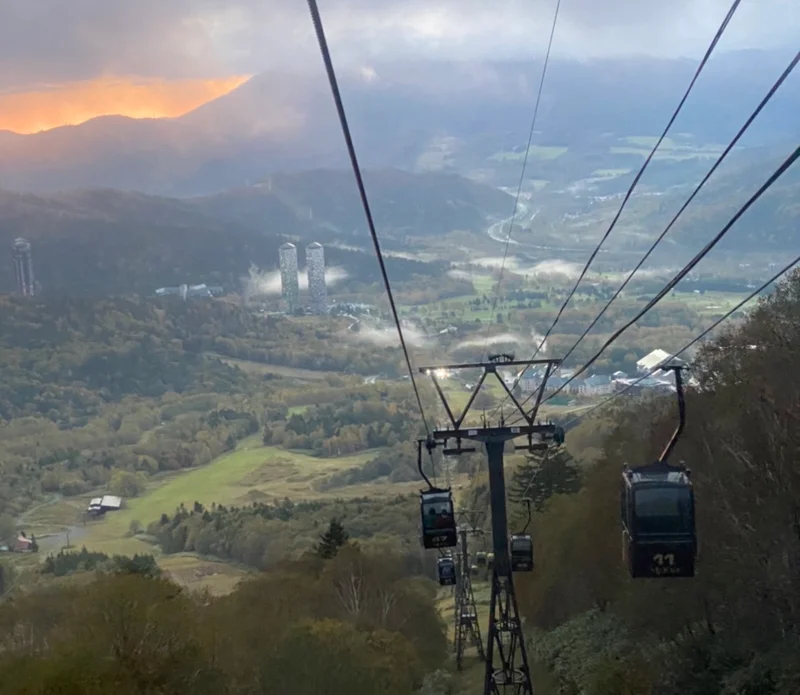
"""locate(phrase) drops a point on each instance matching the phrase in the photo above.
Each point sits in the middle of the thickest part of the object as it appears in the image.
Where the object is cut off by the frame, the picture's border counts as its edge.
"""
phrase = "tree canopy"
(733, 628)
(357, 623)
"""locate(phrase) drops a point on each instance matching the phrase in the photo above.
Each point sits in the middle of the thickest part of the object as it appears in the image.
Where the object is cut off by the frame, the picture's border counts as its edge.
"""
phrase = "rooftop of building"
(653, 359)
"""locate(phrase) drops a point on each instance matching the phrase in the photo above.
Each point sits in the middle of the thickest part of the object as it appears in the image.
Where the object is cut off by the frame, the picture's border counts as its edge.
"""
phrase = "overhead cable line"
(522, 172)
(635, 181)
(782, 169)
(337, 97)
(697, 189)
(691, 343)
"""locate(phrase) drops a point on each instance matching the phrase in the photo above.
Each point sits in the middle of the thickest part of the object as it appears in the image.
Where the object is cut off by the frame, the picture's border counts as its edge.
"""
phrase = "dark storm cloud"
(45, 41)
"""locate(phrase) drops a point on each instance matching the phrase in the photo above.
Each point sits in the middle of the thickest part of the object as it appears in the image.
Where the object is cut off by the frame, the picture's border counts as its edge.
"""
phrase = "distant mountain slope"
(286, 122)
(402, 203)
(105, 241)
(771, 224)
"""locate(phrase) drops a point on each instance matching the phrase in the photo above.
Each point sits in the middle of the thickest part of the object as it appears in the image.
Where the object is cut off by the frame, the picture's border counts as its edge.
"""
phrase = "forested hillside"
(592, 630)
(261, 534)
(356, 624)
(770, 225)
(422, 204)
(732, 629)
(101, 242)
(109, 392)
(104, 350)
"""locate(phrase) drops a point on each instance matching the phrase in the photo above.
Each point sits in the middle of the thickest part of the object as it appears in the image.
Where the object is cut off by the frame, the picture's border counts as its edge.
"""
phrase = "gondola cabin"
(521, 553)
(480, 559)
(474, 570)
(438, 519)
(658, 521)
(490, 561)
(446, 569)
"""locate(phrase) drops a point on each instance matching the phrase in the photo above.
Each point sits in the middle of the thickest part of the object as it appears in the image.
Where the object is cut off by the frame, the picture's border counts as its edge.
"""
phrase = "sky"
(64, 61)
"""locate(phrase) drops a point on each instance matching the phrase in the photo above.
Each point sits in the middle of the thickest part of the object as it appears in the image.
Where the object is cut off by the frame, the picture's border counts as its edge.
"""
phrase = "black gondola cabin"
(480, 559)
(521, 553)
(446, 570)
(438, 519)
(658, 521)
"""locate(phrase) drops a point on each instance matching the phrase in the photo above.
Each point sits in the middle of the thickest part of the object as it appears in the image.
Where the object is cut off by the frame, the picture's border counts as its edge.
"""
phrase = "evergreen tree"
(333, 539)
(552, 472)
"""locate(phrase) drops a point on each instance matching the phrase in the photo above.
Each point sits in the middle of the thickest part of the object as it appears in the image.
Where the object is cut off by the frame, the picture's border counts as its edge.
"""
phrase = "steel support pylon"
(507, 671)
(467, 630)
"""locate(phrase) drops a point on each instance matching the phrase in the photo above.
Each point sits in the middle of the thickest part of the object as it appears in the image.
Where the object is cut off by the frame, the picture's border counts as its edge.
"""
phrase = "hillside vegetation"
(367, 622)
(261, 534)
(770, 225)
(592, 630)
(732, 629)
(110, 392)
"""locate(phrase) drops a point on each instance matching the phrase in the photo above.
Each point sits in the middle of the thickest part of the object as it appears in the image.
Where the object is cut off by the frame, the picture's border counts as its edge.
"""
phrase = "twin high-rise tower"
(290, 286)
(23, 268)
(315, 260)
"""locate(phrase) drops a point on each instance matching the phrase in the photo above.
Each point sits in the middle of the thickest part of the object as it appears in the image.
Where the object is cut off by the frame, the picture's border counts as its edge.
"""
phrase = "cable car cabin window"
(447, 572)
(437, 514)
(521, 544)
(521, 553)
(663, 510)
(438, 520)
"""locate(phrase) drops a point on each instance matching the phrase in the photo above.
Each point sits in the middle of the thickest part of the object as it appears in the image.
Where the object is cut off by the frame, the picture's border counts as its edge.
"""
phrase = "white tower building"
(290, 287)
(315, 259)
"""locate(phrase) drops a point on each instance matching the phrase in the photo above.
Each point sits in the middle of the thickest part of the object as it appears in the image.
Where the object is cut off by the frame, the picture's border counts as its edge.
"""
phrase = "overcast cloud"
(50, 41)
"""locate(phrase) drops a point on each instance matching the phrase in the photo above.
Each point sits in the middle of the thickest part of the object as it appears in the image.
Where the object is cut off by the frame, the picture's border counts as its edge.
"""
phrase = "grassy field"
(250, 473)
(218, 578)
(609, 173)
(708, 303)
(278, 370)
(649, 141)
(535, 152)
(483, 284)
(669, 149)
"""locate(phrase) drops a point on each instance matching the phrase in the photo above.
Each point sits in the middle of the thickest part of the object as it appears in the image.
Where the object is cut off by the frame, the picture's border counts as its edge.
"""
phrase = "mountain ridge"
(286, 122)
(106, 241)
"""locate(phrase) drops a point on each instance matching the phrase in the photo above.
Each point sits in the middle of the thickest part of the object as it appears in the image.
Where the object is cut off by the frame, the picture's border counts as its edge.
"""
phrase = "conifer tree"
(333, 539)
(543, 475)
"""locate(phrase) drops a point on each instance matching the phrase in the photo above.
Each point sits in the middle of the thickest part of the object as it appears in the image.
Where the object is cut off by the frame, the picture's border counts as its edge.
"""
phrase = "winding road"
(497, 231)
(51, 541)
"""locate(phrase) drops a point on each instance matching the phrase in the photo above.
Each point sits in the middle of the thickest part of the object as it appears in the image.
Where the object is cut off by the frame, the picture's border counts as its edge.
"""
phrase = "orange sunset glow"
(76, 102)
